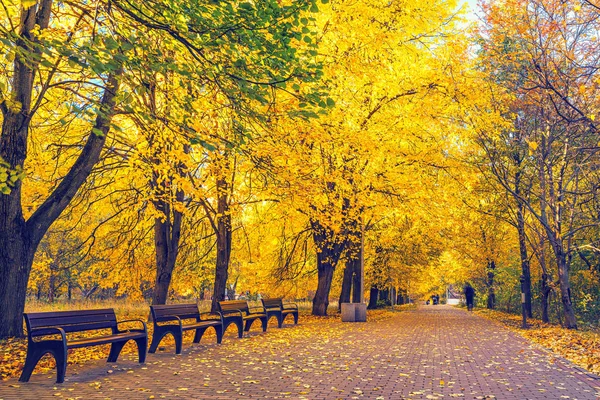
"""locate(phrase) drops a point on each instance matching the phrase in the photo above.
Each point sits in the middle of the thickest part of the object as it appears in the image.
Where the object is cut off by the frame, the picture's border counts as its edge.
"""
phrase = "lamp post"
(523, 306)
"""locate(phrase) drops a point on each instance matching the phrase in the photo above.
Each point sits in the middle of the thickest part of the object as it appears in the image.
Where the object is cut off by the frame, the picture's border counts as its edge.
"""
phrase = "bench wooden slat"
(234, 305)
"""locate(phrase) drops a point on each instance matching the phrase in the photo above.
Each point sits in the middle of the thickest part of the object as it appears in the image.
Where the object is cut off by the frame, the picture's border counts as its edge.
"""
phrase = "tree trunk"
(525, 268)
(223, 243)
(167, 232)
(356, 284)
(565, 291)
(329, 251)
(347, 281)
(491, 298)
(545, 288)
(373, 296)
(325, 276)
(384, 295)
(52, 285)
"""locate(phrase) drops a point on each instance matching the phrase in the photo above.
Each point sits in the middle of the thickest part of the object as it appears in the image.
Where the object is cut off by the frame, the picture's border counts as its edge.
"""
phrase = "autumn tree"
(547, 59)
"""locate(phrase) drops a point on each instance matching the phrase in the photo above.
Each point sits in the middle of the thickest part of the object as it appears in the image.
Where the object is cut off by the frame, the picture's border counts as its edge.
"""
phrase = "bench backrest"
(272, 303)
(184, 311)
(229, 306)
(70, 321)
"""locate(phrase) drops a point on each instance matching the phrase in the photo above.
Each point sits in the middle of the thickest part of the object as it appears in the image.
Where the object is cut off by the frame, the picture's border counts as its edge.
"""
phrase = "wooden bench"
(276, 308)
(238, 312)
(177, 314)
(44, 324)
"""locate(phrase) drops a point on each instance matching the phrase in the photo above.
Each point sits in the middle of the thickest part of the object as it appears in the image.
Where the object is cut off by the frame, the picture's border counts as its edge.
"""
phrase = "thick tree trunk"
(325, 276)
(491, 295)
(329, 251)
(565, 291)
(16, 258)
(373, 296)
(223, 243)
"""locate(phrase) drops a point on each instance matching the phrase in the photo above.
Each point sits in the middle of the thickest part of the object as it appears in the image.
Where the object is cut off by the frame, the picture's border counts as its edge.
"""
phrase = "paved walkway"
(432, 353)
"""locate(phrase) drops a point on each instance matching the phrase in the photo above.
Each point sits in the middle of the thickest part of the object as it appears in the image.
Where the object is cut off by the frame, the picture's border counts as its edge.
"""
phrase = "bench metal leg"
(277, 315)
(219, 331)
(115, 350)
(142, 344)
(160, 332)
(240, 326)
(157, 336)
(295, 318)
(198, 335)
(36, 351)
(264, 321)
(248, 324)
(280, 318)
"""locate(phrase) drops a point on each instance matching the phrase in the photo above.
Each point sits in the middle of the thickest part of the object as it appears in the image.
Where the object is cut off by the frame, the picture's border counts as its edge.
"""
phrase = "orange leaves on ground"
(581, 347)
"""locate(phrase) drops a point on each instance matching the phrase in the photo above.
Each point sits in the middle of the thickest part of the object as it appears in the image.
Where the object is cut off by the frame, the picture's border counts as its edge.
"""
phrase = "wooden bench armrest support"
(145, 329)
(60, 331)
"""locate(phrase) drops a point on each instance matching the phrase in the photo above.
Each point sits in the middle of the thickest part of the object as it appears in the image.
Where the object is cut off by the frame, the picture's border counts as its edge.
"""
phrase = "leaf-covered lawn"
(582, 347)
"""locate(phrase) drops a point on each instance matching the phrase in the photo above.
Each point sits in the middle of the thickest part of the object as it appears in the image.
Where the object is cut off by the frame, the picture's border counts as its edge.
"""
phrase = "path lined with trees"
(422, 353)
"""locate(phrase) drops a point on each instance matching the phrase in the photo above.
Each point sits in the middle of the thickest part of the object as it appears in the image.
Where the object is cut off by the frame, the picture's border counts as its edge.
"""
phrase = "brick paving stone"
(433, 352)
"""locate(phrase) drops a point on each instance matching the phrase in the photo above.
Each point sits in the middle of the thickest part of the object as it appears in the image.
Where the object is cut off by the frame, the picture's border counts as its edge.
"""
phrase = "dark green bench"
(276, 308)
(239, 313)
(43, 326)
(178, 318)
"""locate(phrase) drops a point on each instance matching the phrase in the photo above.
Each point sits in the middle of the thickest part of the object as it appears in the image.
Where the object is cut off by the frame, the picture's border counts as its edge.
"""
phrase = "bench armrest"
(290, 306)
(60, 331)
(134, 320)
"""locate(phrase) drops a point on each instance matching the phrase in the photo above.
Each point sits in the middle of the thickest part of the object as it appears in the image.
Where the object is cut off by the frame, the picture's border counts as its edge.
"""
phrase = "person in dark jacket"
(470, 296)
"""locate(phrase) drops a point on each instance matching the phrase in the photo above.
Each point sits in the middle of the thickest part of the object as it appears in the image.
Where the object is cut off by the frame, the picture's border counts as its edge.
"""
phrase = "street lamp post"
(523, 307)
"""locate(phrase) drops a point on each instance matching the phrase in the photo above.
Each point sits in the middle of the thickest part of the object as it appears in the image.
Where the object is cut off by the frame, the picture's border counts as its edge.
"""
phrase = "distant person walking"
(470, 296)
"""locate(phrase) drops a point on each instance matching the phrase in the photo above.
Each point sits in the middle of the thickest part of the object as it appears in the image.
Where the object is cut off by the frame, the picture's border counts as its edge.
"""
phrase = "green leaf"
(330, 102)
(97, 132)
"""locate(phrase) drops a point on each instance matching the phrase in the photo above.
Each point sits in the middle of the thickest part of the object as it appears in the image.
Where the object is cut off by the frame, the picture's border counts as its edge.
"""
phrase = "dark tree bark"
(525, 268)
(351, 281)
(19, 238)
(565, 288)
(356, 281)
(329, 250)
(224, 234)
(545, 289)
(167, 232)
(346, 284)
(491, 295)
(373, 296)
